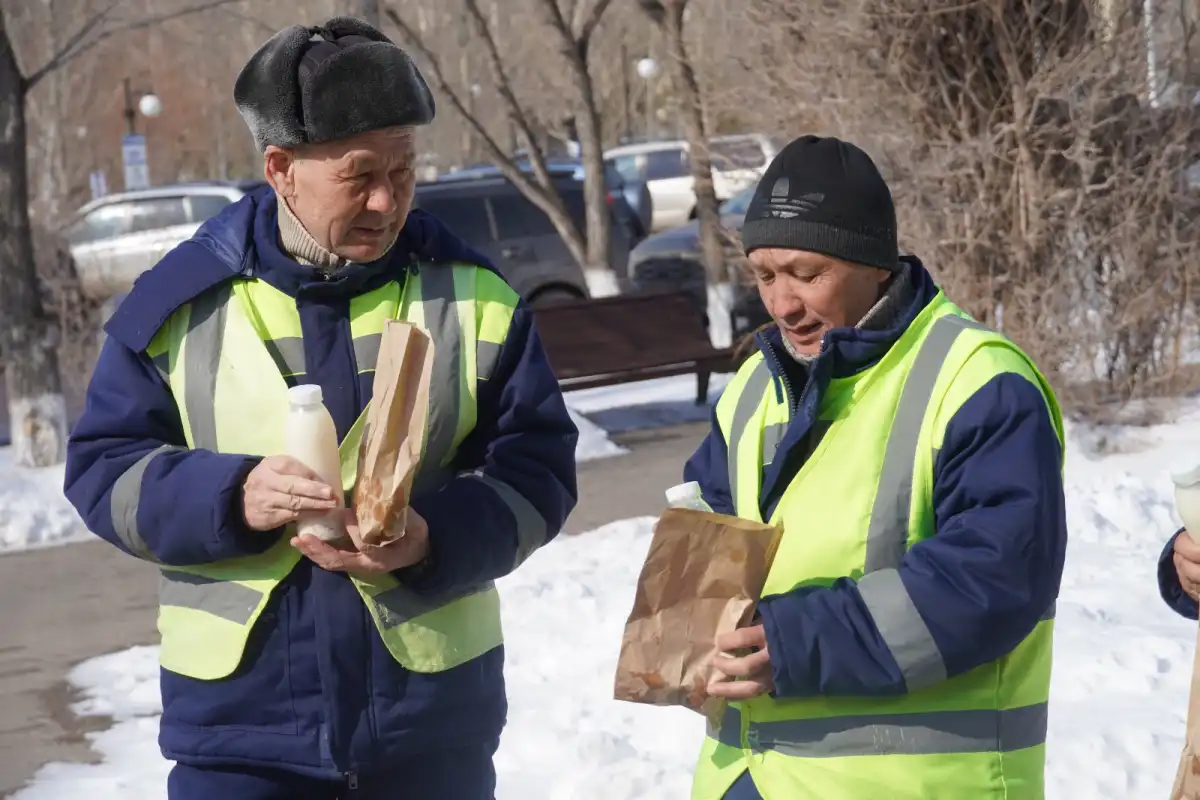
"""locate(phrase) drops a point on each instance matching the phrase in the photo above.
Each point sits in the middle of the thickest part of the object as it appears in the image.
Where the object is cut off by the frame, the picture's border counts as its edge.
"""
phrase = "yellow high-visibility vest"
(862, 499)
(227, 356)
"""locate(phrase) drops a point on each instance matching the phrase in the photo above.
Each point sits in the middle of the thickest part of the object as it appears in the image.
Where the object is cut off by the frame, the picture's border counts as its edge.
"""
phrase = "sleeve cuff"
(1168, 583)
(234, 537)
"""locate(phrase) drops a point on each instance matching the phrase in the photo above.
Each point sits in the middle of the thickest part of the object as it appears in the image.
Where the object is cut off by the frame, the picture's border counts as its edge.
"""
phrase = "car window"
(206, 206)
(105, 222)
(737, 154)
(628, 167)
(465, 216)
(664, 164)
(740, 202)
(517, 217)
(153, 213)
(572, 197)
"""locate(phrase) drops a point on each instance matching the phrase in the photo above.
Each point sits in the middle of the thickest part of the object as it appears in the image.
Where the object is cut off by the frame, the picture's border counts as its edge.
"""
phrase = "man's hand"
(345, 557)
(1187, 565)
(278, 489)
(753, 671)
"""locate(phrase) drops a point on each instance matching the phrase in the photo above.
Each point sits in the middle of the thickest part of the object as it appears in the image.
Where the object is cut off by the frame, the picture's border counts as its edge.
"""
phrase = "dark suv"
(492, 215)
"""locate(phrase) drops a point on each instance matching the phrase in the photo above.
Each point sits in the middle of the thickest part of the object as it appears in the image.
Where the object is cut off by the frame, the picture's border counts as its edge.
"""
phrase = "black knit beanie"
(824, 196)
(308, 85)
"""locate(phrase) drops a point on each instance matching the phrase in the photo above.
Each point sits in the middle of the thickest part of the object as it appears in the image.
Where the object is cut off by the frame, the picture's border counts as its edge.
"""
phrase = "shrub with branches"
(1031, 173)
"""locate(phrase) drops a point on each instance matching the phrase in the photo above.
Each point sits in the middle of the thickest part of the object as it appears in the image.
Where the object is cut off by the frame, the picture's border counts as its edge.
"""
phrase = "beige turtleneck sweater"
(300, 245)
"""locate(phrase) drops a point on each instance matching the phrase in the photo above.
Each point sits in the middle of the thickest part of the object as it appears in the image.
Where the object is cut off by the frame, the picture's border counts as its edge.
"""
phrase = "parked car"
(630, 200)
(673, 260)
(738, 161)
(116, 238)
(491, 214)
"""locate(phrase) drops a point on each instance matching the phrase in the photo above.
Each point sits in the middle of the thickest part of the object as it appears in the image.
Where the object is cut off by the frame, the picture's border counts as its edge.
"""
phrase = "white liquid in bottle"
(312, 439)
(1187, 497)
(687, 495)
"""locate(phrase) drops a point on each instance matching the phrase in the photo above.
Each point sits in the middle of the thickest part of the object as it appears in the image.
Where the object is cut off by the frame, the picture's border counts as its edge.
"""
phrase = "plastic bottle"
(687, 495)
(312, 439)
(1187, 497)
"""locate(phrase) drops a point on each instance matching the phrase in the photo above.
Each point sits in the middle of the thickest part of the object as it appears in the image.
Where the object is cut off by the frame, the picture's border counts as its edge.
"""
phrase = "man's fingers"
(737, 690)
(286, 465)
(321, 553)
(741, 638)
(301, 487)
(1188, 570)
(743, 667)
(1186, 547)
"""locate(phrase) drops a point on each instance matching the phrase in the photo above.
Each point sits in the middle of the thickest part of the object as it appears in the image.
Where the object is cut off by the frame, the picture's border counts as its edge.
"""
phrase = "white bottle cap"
(681, 494)
(306, 394)
(1185, 473)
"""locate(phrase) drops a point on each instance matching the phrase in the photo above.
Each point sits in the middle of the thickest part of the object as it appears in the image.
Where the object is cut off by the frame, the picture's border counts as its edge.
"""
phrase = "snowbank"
(593, 441)
(1118, 701)
(33, 511)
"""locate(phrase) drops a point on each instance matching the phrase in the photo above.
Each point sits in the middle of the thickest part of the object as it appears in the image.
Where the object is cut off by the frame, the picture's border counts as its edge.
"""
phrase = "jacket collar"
(244, 237)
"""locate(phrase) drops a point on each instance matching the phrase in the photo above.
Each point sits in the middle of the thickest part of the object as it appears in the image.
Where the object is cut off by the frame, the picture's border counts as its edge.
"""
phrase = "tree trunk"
(692, 114)
(602, 280)
(367, 11)
(36, 411)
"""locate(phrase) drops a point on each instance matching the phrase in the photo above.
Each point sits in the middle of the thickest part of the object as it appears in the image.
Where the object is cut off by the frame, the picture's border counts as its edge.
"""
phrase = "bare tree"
(37, 412)
(573, 38)
(367, 11)
(668, 16)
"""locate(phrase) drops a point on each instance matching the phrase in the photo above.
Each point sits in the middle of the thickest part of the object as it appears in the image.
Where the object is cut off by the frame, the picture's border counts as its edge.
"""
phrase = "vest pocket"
(258, 696)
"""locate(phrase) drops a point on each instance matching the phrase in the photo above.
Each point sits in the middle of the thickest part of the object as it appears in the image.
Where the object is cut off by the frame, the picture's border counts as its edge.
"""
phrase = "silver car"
(116, 238)
(738, 161)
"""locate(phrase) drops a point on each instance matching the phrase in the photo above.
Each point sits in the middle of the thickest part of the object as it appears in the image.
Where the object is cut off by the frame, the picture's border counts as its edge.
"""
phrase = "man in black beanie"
(295, 666)
(912, 458)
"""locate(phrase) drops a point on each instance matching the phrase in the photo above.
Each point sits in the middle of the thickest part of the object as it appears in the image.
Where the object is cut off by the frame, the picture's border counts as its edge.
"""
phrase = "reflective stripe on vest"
(237, 591)
(885, 422)
(921, 733)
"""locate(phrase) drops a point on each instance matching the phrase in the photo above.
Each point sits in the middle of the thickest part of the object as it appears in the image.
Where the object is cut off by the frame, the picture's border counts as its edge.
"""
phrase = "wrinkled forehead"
(385, 147)
(777, 259)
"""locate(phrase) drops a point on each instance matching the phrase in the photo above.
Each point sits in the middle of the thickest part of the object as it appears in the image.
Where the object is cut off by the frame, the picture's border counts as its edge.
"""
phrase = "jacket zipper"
(352, 781)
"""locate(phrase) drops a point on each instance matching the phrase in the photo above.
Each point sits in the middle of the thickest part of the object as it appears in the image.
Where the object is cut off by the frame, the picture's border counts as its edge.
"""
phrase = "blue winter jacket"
(1168, 582)
(318, 693)
(981, 584)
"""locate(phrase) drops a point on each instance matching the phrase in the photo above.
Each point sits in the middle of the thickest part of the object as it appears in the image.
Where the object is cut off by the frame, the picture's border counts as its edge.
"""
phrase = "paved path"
(63, 605)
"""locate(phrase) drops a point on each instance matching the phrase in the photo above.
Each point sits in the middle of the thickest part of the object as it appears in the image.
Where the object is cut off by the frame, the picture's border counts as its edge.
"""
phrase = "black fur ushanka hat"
(332, 81)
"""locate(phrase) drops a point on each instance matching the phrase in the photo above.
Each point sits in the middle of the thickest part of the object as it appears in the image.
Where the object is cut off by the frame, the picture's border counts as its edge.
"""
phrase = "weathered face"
(352, 195)
(809, 294)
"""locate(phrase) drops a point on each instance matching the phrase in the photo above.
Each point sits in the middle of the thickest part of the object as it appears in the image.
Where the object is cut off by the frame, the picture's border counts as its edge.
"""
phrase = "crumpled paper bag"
(394, 434)
(1187, 779)
(703, 576)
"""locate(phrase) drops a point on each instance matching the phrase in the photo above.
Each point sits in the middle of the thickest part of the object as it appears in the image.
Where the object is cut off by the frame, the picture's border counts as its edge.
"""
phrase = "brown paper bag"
(394, 433)
(1187, 779)
(703, 576)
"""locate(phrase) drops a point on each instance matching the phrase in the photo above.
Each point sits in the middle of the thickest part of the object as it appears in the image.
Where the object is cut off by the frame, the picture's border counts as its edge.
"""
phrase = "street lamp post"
(647, 69)
(148, 104)
(133, 146)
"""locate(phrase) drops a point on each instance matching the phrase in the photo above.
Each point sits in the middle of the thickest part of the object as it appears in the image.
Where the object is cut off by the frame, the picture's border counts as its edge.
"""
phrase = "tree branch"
(77, 46)
(504, 87)
(592, 21)
(541, 192)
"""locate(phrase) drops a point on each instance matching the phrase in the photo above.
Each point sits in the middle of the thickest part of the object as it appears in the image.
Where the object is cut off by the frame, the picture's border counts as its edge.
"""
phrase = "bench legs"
(702, 388)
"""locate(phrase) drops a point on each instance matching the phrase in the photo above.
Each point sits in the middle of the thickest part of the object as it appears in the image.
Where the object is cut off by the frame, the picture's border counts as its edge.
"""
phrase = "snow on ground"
(1121, 675)
(33, 511)
(593, 441)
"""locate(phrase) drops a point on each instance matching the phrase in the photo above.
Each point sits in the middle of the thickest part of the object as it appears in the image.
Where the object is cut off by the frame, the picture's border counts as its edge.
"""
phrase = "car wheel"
(549, 297)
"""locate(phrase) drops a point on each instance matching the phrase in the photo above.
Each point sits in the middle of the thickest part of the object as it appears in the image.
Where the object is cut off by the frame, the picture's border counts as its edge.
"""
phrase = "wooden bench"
(629, 338)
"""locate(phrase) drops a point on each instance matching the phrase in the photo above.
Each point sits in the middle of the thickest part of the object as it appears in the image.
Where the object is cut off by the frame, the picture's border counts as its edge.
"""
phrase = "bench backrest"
(623, 333)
